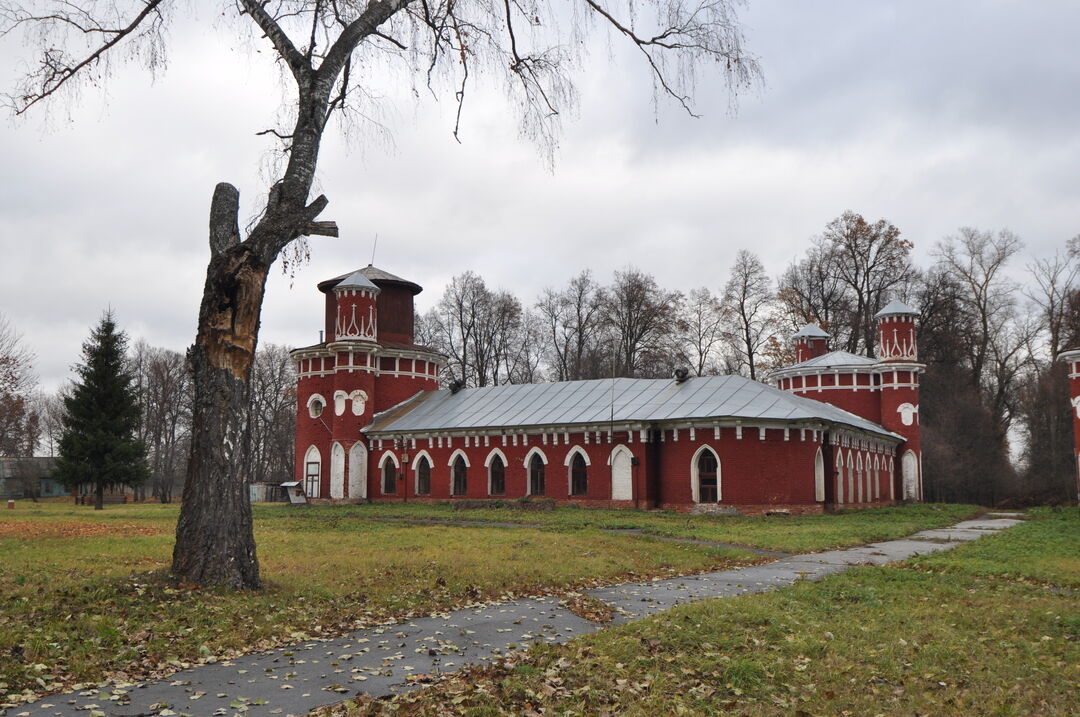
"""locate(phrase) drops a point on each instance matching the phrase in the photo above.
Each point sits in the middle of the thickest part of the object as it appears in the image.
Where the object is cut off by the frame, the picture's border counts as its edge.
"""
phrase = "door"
(622, 484)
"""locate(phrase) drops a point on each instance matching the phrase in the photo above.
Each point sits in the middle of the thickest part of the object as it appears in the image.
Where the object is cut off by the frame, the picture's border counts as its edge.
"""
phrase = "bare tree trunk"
(99, 496)
(215, 544)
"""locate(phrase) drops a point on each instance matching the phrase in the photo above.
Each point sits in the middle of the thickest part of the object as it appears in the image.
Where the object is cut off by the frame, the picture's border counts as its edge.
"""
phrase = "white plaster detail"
(339, 403)
(358, 471)
(534, 451)
(392, 457)
(457, 453)
(495, 452)
(337, 471)
(908, 413)
(909, 472)
(819, 476)
(315, 406)
(621, 462)
(350, 326)
(576, 450)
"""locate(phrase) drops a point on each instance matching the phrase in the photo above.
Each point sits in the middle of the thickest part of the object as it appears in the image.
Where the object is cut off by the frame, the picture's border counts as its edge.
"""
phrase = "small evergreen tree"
(99, 445)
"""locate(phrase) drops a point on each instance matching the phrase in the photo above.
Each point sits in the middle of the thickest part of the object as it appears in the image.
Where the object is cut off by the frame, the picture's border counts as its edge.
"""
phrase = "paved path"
(294, 680)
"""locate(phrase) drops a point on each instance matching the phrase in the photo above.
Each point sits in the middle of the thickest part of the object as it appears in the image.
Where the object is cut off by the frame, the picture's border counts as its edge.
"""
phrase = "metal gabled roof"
(833, 359)
(811, 331)
(896, 308)
(356, 280)
(622, 400)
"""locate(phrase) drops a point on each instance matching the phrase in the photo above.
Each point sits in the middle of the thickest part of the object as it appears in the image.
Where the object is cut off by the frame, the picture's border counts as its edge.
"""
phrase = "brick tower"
(366, 363)
(899, 369)
(810, 342)
(1072, 360)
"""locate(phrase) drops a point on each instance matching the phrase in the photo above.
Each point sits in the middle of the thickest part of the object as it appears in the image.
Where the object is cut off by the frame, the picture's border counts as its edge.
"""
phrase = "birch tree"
(330, 54)
(749, 305)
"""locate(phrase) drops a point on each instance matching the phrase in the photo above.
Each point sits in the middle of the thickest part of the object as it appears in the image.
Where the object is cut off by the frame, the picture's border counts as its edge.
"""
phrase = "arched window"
(496, 476)
(708, 491)
(877, 479)
(536, 475)
(859, 478)
(460, 483)
(839, 478)
(389, 477)
(579, 475)
(315, 405)
(423, 476)
(312, 472)
(819, 476)
(850, 477)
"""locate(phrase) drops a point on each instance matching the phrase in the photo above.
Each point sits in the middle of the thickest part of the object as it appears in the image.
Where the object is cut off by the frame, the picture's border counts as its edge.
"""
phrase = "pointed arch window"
(423, 476)
(536, 475)
(707, 486)
(460, 482)
(497, 476)
(389, 475)
(312, 472)
(579, 475)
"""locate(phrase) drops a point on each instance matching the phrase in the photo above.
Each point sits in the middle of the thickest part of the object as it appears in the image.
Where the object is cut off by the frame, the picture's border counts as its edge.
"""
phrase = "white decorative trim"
(392, 456)
(534, 451)
(695, 481)
(495, 452)
(576, 450)
(352, 327)
(311, 400)
(457, 453)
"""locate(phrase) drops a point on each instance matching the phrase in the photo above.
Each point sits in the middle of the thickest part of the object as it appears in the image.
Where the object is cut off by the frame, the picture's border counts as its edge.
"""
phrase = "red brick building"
(837, 430)
(1072, 360)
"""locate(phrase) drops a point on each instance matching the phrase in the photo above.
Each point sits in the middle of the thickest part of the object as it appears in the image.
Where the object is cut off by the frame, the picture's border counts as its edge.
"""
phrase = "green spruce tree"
(99, 445)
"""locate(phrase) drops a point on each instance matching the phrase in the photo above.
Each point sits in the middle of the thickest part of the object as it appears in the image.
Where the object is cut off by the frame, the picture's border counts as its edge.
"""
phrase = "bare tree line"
(31, 419)
(994, 402)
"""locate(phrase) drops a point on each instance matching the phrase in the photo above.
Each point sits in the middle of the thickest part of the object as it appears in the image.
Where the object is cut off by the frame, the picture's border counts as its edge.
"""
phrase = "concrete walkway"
(379, 661)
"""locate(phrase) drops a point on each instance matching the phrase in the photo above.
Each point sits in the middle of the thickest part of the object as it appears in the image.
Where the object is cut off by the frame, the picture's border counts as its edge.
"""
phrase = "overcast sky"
(934, 115)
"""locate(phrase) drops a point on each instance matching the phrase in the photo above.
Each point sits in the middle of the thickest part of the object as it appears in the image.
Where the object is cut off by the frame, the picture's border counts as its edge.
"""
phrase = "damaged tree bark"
(215, 544)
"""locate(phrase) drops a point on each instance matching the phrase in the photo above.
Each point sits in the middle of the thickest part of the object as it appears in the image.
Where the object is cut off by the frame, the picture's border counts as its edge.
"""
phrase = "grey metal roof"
(895, 308)
(356, 280)
(833, 359)
(374, 274)
(624, 400)
(812, 331)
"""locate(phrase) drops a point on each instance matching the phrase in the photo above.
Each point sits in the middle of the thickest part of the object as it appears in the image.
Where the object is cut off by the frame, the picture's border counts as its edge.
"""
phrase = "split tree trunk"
(215, 544)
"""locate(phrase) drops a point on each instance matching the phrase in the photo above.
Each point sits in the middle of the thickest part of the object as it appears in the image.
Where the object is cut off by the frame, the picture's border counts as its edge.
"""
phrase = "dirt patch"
(72, 529)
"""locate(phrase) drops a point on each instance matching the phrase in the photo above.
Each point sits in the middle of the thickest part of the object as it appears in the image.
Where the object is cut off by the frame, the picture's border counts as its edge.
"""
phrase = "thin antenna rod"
(373, 248)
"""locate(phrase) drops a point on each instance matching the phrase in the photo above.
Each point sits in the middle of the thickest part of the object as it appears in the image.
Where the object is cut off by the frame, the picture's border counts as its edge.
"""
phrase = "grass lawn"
(785, 533)
(84, 595)
(992, 627)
